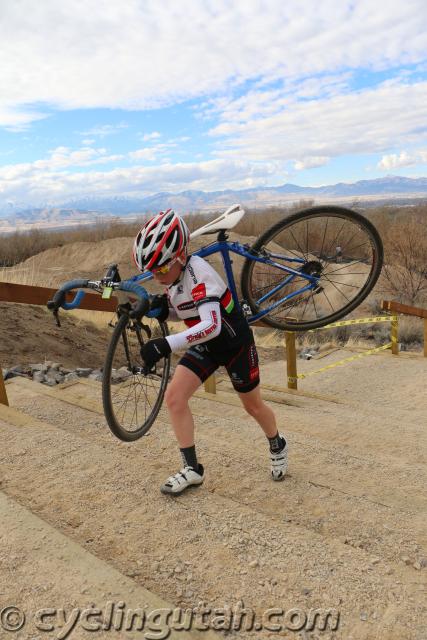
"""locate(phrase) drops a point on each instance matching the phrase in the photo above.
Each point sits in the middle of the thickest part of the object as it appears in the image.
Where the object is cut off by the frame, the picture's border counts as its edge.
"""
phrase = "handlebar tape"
(59, 297)
(143, 304)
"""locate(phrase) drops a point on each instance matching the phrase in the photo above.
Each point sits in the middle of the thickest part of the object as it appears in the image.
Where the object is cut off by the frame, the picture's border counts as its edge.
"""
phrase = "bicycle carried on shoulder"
(306, 271)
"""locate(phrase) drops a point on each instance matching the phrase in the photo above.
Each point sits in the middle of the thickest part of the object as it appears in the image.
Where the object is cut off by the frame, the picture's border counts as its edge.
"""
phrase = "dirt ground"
(29, 335)
(345, 531)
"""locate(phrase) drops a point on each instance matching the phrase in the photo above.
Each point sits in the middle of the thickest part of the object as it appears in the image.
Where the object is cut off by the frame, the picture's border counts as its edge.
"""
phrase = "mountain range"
(83, 210)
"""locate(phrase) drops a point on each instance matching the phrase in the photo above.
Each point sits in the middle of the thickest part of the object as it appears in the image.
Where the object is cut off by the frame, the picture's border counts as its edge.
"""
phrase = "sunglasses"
(165, 268)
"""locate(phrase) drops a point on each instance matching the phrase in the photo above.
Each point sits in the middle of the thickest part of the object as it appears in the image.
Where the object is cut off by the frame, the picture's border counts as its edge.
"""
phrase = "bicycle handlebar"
(127, 285)
(143, 304)
(59, 297)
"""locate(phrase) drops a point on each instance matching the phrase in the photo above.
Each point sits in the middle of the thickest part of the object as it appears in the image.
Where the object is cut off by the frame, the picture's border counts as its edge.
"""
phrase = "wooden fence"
(406, 310)
(25, 294)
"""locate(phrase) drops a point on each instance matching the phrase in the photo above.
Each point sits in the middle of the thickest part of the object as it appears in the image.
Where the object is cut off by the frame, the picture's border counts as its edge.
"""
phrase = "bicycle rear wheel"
(339, 247)
(131, 399)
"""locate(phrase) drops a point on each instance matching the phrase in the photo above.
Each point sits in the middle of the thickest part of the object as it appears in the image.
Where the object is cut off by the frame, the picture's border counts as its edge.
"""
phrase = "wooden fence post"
(210, 384)
(291, 360)
(3, 394)
(395, 337)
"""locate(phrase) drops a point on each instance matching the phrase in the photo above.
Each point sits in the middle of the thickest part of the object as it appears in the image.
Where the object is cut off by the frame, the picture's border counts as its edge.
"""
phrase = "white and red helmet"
(160, 240)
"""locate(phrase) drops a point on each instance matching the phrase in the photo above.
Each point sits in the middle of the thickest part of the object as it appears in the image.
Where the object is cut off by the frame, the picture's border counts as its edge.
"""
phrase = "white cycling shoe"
(185, 478)
(279, 462)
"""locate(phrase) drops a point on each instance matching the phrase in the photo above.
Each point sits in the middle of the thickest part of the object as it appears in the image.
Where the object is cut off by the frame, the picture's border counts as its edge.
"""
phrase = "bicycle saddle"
(227, 220)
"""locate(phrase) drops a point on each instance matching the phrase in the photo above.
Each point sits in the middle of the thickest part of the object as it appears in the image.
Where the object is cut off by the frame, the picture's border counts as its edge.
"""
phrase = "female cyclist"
(218, 334)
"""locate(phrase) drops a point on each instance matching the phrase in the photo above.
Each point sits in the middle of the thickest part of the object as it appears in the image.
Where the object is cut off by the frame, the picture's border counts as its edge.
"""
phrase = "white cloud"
(59, 159)
(105, 130)
(139, 55)
(152, 153)
(368, 121)
(404, 159)
(311, 162)
(33, 184)
(150, 136)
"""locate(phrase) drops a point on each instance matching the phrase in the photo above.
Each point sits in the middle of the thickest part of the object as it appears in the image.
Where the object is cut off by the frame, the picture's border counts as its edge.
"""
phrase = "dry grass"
(404, 277)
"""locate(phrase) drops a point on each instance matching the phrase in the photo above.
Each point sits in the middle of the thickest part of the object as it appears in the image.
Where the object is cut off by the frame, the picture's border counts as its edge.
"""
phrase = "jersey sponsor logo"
(207, 332)
(186, 305)
(191, 272)
(199, 292)
(253, 357)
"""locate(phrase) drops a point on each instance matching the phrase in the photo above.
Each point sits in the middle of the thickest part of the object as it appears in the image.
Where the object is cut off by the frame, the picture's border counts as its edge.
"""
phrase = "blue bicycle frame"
(224, 248)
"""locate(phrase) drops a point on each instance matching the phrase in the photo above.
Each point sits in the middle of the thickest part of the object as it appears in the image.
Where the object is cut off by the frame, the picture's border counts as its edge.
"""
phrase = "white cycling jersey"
(203, 301)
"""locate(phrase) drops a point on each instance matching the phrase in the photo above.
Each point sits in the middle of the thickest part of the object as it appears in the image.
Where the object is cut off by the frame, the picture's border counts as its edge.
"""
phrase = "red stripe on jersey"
(190, 322)
(226, 298)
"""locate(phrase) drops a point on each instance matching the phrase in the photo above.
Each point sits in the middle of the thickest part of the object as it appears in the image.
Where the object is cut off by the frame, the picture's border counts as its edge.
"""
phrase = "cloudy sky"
(99, 97)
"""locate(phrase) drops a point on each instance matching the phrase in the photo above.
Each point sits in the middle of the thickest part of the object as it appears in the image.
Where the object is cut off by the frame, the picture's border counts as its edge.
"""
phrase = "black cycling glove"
(160, 301)
(154, 350)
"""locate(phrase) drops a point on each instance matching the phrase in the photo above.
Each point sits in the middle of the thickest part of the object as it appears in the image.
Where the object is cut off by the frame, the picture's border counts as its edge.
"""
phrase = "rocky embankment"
(53, 373)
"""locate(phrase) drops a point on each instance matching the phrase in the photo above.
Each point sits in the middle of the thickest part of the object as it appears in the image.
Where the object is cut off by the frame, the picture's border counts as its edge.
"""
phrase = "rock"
(55, 375)
(306, 591)
(19, 370)
(55, 366)
(417, 565)
(96, 375)
(254, 563)
(406, 560)
(71, 376)
(120, 375)
(51, 382)
(36, 367)
(38, 376)
(375, 560)
(363, 616)
(83, 372)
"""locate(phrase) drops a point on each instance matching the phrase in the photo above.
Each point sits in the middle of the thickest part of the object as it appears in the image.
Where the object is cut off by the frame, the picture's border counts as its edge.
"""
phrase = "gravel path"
(346, 529)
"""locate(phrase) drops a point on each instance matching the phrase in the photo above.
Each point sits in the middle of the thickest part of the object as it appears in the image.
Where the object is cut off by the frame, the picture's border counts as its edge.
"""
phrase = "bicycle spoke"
(324, 235)
(326, 296)
(344, 284)
(297, 243)
(334, 241)
(314, 305)
(343, 267)
(343, 294)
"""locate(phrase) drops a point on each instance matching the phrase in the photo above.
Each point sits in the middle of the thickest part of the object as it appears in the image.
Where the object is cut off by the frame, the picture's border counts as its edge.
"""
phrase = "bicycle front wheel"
(131, 399)
(338, 248)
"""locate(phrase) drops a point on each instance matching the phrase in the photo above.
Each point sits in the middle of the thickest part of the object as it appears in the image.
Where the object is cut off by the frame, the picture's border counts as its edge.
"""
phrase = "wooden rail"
(418, 312)
(26, 294)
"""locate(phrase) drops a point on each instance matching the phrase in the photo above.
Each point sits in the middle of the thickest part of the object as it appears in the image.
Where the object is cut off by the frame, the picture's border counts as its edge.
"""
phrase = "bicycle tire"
(248, 284)
(118, 353)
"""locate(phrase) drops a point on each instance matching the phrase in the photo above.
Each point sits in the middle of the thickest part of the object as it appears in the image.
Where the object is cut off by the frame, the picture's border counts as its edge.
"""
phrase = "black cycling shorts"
(241, 364)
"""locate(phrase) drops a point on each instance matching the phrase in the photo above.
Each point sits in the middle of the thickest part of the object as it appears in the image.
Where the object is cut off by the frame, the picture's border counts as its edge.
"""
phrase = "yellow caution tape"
(300, 376)
(343, 323)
